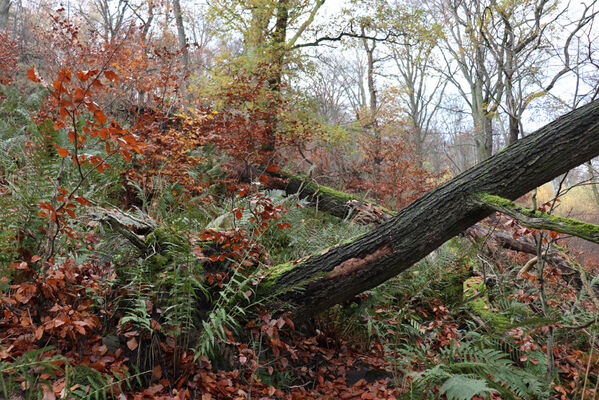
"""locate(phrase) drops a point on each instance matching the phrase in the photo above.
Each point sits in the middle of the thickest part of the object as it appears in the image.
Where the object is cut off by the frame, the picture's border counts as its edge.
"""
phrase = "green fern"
(498, 370)
(87, 383)
(491, 366)
(30, 368)
(462, 387)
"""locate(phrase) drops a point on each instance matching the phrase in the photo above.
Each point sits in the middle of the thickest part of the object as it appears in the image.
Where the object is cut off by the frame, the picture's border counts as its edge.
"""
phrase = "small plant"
(29, 373)
(467, 370)
(92, 142)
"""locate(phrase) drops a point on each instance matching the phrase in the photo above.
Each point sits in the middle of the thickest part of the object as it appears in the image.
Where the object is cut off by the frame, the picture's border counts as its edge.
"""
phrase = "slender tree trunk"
(182, 42)
(339, 273)
(594, 182)
(277, 57)
(512, 109)
(4, 10)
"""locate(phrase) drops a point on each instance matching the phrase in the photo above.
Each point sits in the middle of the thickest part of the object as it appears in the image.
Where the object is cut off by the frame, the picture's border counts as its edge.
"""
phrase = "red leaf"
(82, 76)
(100, 117)
(126, 155)
(111, 76)
(62, 152)
(78, 95)
(96, 83)
(272, 168)
(32, 75)
(82, 200)
(64, 75)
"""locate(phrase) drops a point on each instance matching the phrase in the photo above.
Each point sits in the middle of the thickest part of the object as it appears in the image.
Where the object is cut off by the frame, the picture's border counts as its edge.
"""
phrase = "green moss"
(480, 304)
(268, 284)
(561, 224)
(166, 243)
(329, 191)
(500, 201)
(164, 238)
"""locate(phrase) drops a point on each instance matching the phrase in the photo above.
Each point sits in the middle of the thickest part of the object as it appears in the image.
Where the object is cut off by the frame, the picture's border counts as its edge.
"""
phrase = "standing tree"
(517, 35)
(478, 82)
(421, 91)
(4, 10)
(264, 27)
(181, 35)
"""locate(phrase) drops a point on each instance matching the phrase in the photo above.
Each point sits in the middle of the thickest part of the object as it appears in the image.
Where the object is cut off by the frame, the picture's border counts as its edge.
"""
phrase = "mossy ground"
(476, 290)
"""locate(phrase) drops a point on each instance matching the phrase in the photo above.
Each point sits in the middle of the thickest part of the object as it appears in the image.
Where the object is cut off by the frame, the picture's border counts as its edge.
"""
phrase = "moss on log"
(540, 220)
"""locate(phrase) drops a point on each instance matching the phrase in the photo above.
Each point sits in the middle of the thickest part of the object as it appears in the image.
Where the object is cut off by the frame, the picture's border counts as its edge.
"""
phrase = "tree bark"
(181, 34)
(339, 273)
(277, 59)
(4, 10)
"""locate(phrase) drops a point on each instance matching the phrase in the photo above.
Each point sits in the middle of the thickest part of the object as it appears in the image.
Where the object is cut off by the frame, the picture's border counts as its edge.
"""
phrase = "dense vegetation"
(156, 176)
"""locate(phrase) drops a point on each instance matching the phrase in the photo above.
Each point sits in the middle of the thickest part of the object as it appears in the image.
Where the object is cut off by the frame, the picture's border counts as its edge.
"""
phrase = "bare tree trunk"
(181, 34)
(279, 47)
(339, 273)
(594, 182)
(4, 10)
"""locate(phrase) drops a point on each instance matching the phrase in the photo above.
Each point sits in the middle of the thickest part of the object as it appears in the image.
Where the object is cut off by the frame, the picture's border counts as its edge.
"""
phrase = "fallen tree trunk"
(325, 198)
(524, 244)
(339, 273)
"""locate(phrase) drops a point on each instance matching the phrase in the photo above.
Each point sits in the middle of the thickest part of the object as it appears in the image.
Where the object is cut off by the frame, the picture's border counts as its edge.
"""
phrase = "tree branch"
(341, 35)
(540, 220)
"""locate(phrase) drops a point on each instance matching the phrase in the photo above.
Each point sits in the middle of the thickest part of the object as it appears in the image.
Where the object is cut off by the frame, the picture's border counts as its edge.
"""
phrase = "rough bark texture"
(344, 271)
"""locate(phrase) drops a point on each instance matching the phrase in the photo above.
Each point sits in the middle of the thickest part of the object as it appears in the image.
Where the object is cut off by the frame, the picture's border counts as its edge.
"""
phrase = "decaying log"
(524, 244)
(127, 224)
(330, 200)
(541, 220)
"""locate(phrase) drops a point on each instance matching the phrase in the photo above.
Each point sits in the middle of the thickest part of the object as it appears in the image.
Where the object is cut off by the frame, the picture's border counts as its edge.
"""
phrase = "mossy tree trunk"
(342, 272)
(325, 198)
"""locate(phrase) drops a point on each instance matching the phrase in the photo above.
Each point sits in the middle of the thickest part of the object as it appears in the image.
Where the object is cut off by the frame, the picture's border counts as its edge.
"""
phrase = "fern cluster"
(471, 370)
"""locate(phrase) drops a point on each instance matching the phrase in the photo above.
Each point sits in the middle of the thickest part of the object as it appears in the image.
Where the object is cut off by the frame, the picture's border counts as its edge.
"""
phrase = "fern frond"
(462, 387)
